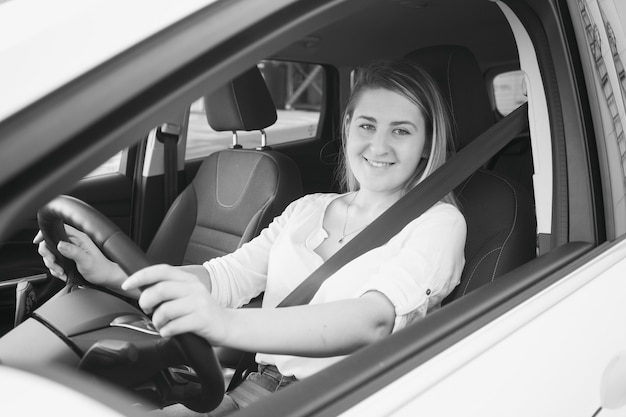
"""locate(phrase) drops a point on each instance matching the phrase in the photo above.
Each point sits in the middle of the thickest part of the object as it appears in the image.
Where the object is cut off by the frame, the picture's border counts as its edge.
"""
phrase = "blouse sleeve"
(238, 277)
(427, 266)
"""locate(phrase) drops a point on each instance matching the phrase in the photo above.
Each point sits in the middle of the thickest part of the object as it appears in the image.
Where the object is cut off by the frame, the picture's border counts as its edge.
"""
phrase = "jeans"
(257, 385)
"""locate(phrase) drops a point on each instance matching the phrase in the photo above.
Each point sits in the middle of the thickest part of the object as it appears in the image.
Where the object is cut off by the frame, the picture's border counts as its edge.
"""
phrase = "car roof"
(63, 39)
(392, 28)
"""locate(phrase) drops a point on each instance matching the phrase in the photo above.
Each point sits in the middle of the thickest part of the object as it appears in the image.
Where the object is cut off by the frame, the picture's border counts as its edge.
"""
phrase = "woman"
(396, 131)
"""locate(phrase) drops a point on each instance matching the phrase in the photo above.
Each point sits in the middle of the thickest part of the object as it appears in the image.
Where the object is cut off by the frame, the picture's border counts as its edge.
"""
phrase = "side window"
(509, 91)
(297, 91)
(113, 165)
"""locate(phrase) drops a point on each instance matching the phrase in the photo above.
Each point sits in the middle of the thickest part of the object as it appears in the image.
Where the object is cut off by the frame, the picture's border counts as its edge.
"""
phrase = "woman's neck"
(372, 204)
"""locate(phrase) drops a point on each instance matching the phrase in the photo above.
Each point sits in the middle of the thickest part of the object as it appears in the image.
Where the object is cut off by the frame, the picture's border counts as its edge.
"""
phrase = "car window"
(113, 165)
(509, 91)
(297, 91)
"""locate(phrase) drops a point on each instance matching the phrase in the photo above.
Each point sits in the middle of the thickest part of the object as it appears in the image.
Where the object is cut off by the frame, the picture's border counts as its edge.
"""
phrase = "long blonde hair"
(409, 80)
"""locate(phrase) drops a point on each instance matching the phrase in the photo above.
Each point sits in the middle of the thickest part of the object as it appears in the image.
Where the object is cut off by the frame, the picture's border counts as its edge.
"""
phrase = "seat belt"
(409, 207)
(168, 134)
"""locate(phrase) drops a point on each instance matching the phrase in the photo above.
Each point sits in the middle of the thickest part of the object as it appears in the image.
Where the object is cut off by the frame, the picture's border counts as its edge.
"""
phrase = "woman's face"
(385, 142)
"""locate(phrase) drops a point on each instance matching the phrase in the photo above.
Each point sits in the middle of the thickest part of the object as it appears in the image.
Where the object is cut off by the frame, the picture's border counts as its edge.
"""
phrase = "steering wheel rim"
(121, 249)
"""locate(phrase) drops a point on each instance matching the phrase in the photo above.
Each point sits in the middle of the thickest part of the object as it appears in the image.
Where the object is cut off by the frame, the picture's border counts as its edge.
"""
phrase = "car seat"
(236, 192)
(499, 211)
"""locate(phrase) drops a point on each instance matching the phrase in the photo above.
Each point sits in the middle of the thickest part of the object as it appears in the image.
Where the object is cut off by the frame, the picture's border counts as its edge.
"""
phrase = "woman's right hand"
(90, 261)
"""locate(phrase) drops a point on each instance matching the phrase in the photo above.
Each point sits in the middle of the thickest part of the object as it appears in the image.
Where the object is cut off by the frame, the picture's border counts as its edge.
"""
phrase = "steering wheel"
(195, 351)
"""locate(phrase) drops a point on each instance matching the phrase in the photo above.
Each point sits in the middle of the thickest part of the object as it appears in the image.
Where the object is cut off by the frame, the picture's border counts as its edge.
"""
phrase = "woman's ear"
(346, 127)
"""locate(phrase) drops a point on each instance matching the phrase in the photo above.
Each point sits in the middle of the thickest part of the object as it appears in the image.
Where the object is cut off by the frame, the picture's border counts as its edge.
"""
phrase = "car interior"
(234, 190)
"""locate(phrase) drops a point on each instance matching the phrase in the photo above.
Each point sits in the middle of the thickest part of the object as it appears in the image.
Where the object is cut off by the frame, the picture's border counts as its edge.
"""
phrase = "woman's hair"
(412, 82)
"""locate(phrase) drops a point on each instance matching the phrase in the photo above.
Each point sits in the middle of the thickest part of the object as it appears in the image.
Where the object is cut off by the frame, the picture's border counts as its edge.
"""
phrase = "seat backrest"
(499, 211)
(501, 229)
(236, 192)
(457, 73)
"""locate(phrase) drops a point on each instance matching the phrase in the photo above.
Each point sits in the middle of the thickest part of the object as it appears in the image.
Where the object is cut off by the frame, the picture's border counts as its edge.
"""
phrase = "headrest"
(458, 75)
(244, 103)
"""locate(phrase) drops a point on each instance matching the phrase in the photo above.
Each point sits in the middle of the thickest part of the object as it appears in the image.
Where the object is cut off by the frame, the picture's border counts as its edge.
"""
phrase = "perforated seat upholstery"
(236, 192)
(499, 211)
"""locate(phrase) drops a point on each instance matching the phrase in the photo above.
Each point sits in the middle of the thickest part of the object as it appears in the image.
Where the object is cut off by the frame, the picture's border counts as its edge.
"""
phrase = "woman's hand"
(179, 302)
(90, 261)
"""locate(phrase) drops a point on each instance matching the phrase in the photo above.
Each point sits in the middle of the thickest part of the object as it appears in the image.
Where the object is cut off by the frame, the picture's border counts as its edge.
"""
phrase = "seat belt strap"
(412, 205)
(415, 202)
(168, 134)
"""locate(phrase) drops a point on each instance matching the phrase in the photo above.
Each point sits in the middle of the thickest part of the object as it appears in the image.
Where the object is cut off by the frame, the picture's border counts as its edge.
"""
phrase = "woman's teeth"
(378, 164)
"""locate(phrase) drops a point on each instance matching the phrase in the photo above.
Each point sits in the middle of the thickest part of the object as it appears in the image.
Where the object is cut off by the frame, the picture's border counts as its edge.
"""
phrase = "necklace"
(345, 223)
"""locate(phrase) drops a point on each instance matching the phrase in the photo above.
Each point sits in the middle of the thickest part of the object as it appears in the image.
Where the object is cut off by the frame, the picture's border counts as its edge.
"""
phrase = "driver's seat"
(236, 192)
(499, 211)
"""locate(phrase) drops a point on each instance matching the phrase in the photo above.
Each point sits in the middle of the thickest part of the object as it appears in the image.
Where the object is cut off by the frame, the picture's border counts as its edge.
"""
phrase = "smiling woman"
(376, 294)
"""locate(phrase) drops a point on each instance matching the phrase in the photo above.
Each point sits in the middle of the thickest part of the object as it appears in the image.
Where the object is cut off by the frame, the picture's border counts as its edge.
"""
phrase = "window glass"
(111, 166)
(297, 91)
(509, 91)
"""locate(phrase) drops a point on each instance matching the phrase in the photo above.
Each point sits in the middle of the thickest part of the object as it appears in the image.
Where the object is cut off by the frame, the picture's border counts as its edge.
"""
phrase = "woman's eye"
(366, 126)
(401, 132)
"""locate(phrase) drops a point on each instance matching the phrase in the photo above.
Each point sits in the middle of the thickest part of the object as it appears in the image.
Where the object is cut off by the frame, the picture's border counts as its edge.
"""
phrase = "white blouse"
(416, 269)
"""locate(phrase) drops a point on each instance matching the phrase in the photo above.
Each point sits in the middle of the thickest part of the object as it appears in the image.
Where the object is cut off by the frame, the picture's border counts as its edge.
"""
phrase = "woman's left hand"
(179, 302)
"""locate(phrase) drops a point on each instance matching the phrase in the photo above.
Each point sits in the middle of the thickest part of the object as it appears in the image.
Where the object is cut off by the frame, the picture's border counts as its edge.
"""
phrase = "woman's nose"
(378, 143)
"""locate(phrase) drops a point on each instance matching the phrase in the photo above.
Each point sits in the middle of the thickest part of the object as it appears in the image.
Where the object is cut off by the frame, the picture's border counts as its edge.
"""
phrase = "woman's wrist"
(226, 326)
(117, 276)
(200, 272)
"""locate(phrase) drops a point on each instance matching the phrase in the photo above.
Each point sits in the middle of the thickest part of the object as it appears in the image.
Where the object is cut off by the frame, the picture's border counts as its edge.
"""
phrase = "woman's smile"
(378, 164)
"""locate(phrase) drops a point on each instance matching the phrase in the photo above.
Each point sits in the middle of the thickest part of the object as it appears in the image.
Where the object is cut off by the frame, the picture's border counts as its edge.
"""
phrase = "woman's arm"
(317, 330)
(180, 303)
